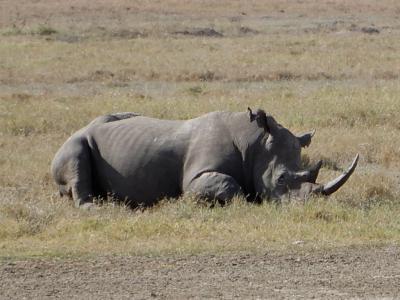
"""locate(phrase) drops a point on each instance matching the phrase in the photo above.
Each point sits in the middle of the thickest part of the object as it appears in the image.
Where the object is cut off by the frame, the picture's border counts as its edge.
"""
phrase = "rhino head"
(277, 172)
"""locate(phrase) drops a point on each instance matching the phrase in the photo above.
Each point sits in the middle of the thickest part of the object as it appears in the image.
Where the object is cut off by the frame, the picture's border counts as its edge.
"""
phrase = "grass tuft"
(44, 30)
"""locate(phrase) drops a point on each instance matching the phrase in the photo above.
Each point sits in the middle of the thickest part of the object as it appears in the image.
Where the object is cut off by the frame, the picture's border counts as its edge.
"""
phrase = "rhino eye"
(282, 179)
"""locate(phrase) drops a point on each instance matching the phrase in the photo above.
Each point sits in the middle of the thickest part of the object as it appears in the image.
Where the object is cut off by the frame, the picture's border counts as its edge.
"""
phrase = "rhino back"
(139, 159)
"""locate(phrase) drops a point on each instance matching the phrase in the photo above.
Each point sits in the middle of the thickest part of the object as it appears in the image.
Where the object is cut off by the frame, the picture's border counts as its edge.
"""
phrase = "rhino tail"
(113, 117)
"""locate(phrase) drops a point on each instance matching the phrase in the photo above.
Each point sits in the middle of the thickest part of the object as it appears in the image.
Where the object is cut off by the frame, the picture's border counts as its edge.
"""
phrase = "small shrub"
(45, 30)
(195, 90)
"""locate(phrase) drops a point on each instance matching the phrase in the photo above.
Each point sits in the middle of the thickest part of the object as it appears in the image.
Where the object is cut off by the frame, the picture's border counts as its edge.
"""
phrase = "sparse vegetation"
(44, 30)
(319, 70)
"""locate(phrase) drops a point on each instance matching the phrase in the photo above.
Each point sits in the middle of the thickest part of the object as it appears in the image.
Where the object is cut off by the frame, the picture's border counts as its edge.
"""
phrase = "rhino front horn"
(334, 185)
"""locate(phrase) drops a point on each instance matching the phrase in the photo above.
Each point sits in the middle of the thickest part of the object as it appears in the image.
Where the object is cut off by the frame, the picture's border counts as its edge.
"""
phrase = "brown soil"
(338, 273)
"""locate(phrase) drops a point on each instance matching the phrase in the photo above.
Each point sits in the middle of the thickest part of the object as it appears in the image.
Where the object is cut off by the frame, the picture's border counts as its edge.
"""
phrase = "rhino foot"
(88, 206)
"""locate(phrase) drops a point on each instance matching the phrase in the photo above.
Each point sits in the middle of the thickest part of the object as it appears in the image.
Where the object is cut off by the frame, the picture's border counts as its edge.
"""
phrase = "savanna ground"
(330, 65)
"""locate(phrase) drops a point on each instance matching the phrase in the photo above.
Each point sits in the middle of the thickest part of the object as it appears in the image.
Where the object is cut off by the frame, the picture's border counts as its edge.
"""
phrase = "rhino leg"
(81, 188)
(215, 186)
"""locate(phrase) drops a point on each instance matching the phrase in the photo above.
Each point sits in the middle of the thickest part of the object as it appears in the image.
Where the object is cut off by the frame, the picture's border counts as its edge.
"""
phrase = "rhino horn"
(334, 185)
(314, 171)
(310, 176)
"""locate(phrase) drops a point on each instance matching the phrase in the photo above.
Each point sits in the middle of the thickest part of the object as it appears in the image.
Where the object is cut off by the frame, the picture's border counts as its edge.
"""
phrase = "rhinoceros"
(216, 156)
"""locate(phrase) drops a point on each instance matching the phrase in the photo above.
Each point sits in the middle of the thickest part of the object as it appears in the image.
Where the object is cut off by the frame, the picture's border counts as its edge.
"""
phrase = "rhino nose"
(309, 188)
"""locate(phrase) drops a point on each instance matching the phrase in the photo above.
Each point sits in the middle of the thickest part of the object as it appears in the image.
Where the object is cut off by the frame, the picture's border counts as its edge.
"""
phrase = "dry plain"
(329, 65)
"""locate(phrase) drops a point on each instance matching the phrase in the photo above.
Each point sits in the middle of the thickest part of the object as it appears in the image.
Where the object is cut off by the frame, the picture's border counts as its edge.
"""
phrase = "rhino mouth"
(333, 185)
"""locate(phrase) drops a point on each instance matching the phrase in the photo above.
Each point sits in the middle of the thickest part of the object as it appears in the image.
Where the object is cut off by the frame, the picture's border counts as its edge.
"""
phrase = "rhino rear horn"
(314, 171)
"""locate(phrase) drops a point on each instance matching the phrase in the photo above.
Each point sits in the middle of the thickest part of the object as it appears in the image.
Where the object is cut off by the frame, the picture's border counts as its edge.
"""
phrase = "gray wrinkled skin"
(217, 156)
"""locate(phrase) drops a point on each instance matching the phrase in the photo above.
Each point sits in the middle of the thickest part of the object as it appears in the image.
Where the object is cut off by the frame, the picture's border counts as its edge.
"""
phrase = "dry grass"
(232, 59)
(183, 227)
(311, 68)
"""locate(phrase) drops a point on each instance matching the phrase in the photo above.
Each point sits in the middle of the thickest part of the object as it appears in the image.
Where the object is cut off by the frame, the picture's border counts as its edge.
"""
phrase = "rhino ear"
(252, 116)
(263, 120)
(305, 139)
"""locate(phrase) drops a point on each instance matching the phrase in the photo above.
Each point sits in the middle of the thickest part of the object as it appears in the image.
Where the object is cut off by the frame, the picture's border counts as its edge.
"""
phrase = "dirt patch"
(246, 30)
(338, 273)
(207, 32)
(370, 30)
